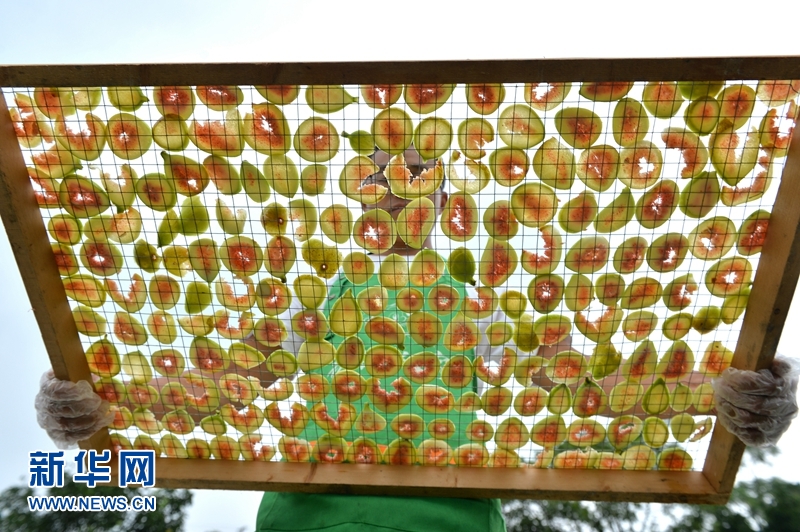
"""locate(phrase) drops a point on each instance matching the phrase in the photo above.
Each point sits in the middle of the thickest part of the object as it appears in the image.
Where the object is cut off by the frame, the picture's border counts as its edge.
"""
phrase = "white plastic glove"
(758, 406)
(69, 412)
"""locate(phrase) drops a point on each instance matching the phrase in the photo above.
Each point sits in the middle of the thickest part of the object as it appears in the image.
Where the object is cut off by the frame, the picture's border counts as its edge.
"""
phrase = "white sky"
(48, 32)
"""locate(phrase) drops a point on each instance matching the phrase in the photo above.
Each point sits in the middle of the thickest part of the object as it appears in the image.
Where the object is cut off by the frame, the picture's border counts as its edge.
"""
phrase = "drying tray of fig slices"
(534, 306)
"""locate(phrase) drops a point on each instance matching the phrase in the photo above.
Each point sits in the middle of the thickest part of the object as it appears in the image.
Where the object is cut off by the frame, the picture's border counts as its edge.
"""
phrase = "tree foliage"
(762, 504)
(169, 515)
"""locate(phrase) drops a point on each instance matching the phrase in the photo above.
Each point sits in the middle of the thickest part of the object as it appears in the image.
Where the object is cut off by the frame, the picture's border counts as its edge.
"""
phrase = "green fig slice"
(513, 303)
(700, 196)
(678, 325)
(170, 133)
(498, 261)
(545, 96)
(408, 426)
(459, 221)
(706, 319)
(630, 255)
(667, 252)
(101, 258)
(511, 434)
(605, 91)
(425, 328)
(375, 231)
(625, 396)
(609, 288)
(279, 94)
(549, 432)
(675, 460)
(336, 223)
(578, 293)
(461, 334)
(604, 361)
(736, 104)
(579, 127)
(732, 160)
(473, 134)
(174, 101)
(530, 401)
(415, 221)
(585, 433)
(662, 99)
(640, 165)
(639, 324)
(630, 122)
(577, 214)
(87, 142)
(441, 428)
(624, 430)
(657, 398)
(546, 292)
(461, 265)
(655, 207)
(733, 306)
(103, 359)
(518, 126)
(85, 289)
(587, 255)
(712, 238)
(129, 137)
(752, 233)
(567, 367)
(702, 115)
(603, 327)
(639, 457)
(589, 399)
(406, 185)
(187, 176)
(434, 399)
(392, 130)
(484, 98)
(326, 99)
(616, 214)
(641, 363)
(345, 315)
(457, 372)
(676, 363)
(508, 166)
(81, 197)
(643, 292)
(729, 276)
(218, 137)
(354, 182)
(534, 205)
(393, 272)
(421, 368)
(496, 401)
(693, 151)
(424, 99)
(545, 261)
(554, 163)
(316, 140)
(655, 432)
(598, 166)
(681, 397)
(476, 174)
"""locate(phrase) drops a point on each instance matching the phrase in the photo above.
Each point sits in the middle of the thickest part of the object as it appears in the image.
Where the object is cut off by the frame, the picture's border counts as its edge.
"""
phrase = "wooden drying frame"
(772, 293)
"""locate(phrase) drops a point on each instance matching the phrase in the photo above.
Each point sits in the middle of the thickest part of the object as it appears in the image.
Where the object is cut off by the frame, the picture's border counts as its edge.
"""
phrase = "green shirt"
(460, 420)
(363, 513)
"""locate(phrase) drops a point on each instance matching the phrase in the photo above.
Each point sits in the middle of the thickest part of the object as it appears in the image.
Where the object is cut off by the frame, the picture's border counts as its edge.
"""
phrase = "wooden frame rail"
(772, 293)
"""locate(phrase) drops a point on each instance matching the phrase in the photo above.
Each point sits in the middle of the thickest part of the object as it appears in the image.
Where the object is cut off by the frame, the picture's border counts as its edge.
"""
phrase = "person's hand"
(758, 406)
(68, 411)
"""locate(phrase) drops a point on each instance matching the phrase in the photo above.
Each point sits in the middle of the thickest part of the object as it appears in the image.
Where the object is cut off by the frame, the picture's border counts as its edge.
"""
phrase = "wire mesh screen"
(503, 275)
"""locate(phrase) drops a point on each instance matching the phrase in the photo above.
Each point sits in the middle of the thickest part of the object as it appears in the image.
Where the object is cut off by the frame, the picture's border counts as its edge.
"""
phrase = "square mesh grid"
(245, 275)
